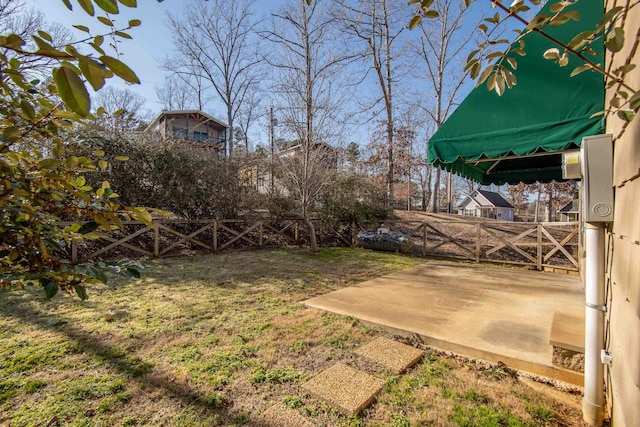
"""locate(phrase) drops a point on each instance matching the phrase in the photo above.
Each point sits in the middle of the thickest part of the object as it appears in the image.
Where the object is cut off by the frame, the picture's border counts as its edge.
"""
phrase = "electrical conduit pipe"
(593, 401)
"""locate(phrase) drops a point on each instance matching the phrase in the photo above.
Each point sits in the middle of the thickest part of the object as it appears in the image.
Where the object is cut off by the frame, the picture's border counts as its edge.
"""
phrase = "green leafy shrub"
(186, 180)
(353, 198)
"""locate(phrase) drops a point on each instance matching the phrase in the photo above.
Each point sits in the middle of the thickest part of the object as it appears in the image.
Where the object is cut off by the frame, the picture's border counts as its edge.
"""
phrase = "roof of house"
(495, 199)
(296, 148)
(571, 207)
(184, 112)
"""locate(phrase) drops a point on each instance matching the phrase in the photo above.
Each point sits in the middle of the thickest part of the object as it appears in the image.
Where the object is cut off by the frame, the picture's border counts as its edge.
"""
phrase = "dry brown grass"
(217, 340)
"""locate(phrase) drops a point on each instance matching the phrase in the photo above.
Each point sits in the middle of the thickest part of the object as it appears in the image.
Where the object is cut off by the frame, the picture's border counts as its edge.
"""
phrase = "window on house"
(499, 215)
(179, 132)
(200, 136)
(222, 137)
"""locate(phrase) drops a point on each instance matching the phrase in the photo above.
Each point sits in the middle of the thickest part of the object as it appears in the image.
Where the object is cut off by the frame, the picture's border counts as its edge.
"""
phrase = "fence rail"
(539, 245)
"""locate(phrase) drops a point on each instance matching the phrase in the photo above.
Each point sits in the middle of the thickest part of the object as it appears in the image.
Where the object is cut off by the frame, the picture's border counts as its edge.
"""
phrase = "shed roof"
(571, 207)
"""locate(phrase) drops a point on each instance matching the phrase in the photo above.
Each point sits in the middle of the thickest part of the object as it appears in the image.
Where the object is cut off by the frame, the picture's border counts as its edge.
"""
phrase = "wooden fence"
(175, 237)
(539, 245)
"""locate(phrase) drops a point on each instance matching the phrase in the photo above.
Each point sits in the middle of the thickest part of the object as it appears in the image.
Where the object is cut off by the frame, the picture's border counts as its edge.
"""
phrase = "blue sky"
(151, 41)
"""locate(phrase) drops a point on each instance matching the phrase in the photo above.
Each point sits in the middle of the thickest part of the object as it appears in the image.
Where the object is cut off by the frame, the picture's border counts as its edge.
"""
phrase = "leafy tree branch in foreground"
(41, 182)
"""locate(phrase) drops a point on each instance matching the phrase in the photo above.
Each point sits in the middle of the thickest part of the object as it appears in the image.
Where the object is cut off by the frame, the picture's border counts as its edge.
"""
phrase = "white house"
(486, 204)
(570, 211)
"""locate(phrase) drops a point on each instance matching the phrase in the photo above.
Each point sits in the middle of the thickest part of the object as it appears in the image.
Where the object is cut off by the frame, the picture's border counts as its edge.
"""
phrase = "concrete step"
(348, 389)
(392, 355)
(567, 332)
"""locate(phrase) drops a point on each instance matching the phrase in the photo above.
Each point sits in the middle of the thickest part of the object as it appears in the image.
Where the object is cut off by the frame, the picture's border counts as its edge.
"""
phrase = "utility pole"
(409, 173)
(272, 123)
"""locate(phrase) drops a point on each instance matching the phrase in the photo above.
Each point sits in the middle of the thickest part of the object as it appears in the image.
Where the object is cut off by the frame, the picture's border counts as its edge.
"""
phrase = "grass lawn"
(216, 340)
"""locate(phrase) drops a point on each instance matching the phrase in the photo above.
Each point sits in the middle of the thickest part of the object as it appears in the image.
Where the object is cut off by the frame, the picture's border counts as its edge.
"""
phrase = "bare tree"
(411, 156)
(405, 159)
(423, 174)
(306, 67)
(250, 112)
(556, 194)
(25, 22)
(123, 109)
(376, 25)
(182, 92)
(517, 195)
(468, 186)
(441, 48)
(215, 42)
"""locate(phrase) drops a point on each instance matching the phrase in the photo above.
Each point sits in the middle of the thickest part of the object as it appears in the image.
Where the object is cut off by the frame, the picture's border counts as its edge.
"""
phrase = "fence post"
(215, 236)
(478, 237)
(261, 234)
(297, 233)
(354, 236)
(74, 251)
(539, 248)
(424, 238)
(156, 240)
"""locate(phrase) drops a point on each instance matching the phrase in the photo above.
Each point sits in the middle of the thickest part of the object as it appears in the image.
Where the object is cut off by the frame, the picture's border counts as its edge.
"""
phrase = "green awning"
(519, 136)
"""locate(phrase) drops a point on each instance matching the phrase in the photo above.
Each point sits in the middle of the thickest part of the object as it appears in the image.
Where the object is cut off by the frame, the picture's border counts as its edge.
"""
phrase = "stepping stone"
(280, 415)
(344, 387)
(391, 354)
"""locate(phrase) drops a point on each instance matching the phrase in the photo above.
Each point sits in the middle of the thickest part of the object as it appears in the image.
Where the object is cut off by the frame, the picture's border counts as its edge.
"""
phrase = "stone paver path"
(348, 389)
(391, 354)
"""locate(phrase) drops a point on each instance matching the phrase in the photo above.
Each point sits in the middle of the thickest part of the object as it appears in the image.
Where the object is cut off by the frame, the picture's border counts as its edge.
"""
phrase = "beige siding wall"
(624, 311)
(506, 214)
(194, 125)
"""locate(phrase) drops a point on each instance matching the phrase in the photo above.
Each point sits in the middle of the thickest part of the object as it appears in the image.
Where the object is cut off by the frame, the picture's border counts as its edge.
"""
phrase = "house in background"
(258, 174)
(194, 126)
(486, 204)
(570, 212)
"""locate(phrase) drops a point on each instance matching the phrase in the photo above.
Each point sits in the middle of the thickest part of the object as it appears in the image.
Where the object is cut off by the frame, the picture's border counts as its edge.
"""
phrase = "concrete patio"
(495, 314)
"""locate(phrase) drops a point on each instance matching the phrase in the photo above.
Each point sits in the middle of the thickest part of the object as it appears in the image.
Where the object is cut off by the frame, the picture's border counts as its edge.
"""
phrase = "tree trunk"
(408, 194)
(536, 215)
(548, 211)
(449, 192)
(313, 241)
(390, 173)
(423, 208)
(426, 194)
(435, 192)
(230, 131)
